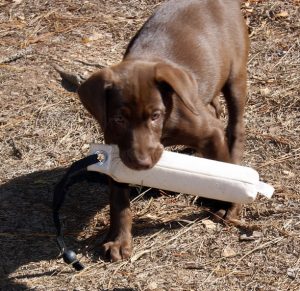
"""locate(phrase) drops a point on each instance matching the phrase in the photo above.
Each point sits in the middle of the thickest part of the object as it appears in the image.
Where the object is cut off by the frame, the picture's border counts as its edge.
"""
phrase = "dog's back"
(208, 38)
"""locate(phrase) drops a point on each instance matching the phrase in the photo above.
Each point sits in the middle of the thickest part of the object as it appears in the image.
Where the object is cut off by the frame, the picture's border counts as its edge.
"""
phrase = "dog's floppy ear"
(92, 94)
(181, 82)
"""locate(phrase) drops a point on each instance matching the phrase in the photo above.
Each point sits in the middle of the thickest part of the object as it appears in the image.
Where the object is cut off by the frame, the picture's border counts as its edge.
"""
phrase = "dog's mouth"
(141, 161)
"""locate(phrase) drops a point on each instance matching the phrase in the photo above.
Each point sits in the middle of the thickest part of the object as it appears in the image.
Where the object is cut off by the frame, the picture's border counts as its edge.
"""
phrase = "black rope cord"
(73, 175)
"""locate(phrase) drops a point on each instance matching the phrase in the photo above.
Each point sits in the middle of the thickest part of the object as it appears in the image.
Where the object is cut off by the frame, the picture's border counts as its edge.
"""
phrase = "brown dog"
(163, 93)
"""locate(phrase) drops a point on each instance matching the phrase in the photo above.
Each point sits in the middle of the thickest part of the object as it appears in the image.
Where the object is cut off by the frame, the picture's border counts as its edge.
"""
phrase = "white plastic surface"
(186, 174)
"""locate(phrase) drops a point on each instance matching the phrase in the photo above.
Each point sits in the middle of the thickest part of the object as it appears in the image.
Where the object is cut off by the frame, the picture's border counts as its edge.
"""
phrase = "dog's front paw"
(119, 248)
(228, 212)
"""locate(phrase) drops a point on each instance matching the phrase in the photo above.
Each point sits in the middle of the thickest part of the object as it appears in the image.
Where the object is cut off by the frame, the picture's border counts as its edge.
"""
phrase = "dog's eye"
(119, 119)
(155, 115)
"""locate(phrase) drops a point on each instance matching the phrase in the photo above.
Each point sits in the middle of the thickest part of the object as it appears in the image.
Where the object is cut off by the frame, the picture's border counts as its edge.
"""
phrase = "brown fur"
(166, 92)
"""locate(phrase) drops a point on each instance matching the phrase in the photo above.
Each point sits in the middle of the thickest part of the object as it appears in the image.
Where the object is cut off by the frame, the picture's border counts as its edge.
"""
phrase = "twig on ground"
(139, 255)
(100, 66)
(295, 154)
(260, 247)
(87, 270)
(277, 139)
(140, 195)
(284, 56)
(20, 54)
(114, 273)
(16, 152)
(210, 274)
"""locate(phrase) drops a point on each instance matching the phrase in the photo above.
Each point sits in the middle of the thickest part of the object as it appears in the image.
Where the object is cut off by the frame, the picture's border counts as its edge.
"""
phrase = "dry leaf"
(17, 2)
(265, 91)
(288, 174)
(92, 37)
(228, 252)
(282, 14)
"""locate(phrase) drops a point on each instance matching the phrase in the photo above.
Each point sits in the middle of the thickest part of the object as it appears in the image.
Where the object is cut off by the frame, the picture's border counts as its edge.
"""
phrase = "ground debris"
(174, 244)
(20, 54)
(249, 237)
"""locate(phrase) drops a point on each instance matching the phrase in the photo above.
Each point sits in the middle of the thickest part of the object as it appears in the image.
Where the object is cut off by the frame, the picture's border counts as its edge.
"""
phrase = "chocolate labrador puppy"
(166, 92)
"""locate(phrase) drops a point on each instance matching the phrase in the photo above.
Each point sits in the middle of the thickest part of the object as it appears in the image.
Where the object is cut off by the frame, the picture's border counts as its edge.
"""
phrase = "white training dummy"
(185, 174)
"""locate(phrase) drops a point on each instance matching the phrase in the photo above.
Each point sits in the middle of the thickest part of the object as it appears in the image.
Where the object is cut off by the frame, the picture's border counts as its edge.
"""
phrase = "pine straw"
(43, 128)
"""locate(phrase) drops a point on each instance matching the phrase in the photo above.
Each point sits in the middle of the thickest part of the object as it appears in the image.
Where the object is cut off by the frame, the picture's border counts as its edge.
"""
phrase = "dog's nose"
(144, 162)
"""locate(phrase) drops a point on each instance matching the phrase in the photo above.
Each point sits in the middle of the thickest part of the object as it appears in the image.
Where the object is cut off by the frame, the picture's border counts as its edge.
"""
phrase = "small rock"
(265, 91)
(275, 130)
(92, 37)
(48, 163)
(228, 252)
(254, 236)
(289, 174)
(209, 224)
(21, 17)
(292, 273)
(282, 14)
(3, 120)
(85, 147)
(152, 286)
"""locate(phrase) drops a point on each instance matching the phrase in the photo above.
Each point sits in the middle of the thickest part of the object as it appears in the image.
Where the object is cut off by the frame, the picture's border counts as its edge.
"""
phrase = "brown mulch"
(43, 128)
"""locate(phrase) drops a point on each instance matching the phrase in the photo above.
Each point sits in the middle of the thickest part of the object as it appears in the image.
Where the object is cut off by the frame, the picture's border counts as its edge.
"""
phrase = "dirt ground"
(44, 128)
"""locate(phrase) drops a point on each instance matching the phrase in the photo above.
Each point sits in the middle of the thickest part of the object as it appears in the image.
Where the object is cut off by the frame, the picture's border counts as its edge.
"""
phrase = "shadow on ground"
(27, 233)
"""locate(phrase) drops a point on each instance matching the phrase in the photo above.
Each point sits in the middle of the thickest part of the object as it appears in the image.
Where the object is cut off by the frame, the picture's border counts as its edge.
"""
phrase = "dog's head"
(132, 102)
